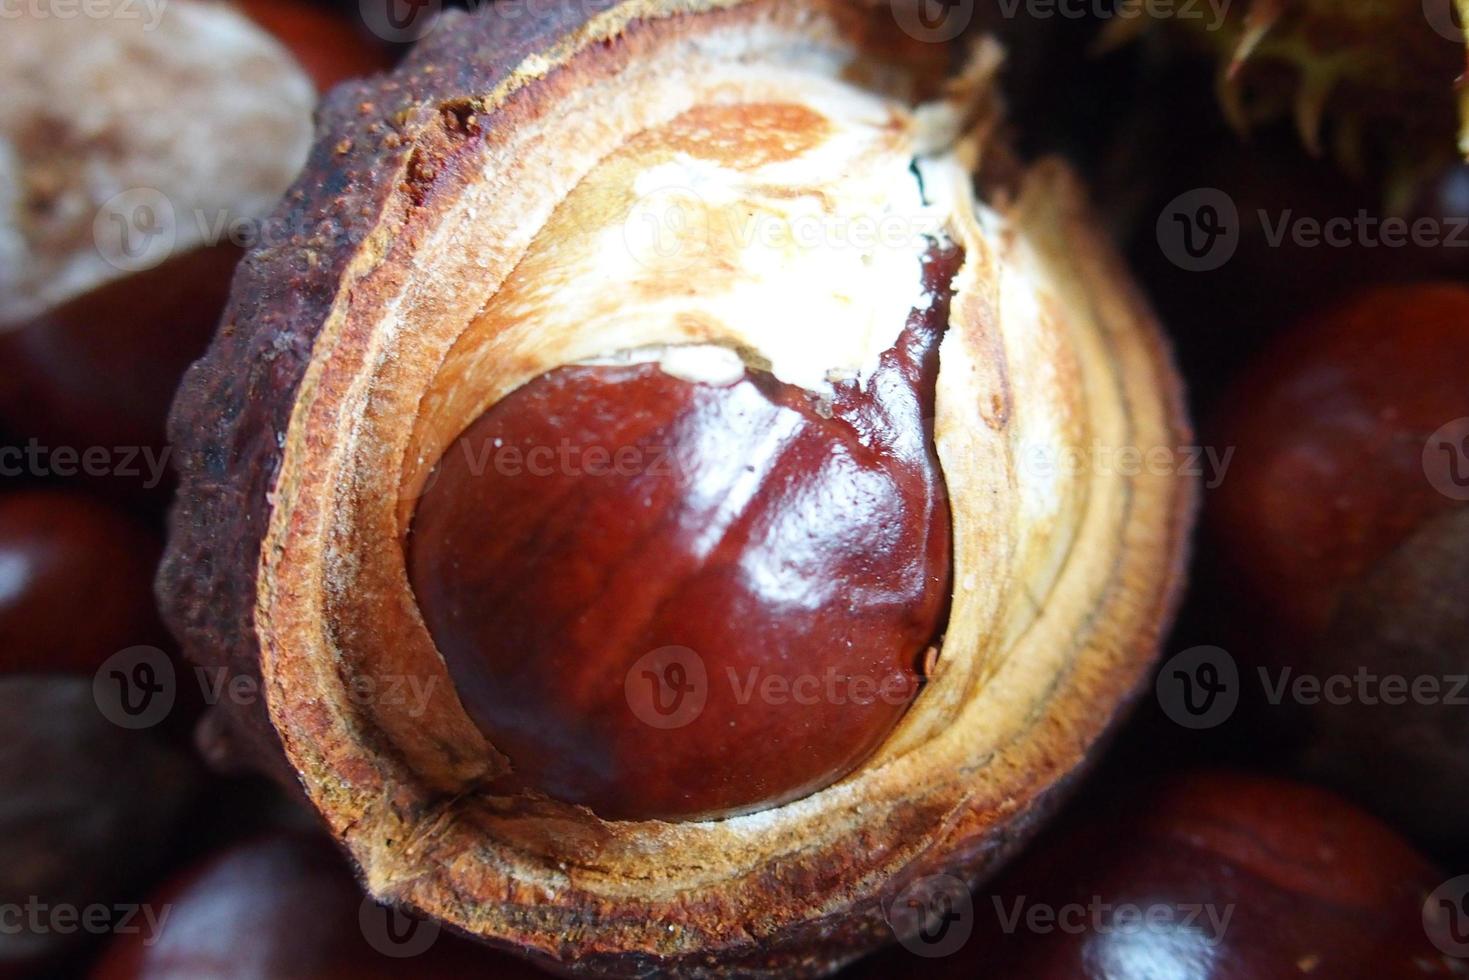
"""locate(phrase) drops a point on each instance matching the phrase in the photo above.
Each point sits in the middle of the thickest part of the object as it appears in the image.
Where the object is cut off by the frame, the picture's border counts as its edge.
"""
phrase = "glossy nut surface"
(1210, 876)
(1333, 467)
(673, 599)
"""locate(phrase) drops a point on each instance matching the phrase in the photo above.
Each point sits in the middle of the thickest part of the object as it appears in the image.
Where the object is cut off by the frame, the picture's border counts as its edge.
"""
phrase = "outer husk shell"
(302, 442)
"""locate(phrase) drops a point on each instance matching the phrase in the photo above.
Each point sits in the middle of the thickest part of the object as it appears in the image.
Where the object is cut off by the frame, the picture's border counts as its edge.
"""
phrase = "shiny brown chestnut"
(762, 573)
(1207, 875)
(286, 905)
(1344, 520)
(75, 583)
(704, 225)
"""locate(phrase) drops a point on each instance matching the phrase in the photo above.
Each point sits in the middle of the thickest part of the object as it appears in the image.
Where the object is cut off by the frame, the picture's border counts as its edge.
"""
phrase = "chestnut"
(87, 812)
(75, 582)
(1213, 875)
(860, 598)
(284, 904)
(1341, 521)
(744, 525)
(137, 159)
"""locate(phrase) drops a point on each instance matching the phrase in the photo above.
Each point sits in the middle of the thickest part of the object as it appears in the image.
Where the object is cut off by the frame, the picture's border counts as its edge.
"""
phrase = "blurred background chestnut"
(1206, 875)
(285, 906)
(1343, 528)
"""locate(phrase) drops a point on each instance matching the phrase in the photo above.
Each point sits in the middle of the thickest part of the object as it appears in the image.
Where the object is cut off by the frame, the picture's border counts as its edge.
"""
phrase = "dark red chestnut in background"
(604, 567)
(285, 906)
(1209, 876)
(1342, 523)
(76, 580)
(87, 812)
(1330, 430)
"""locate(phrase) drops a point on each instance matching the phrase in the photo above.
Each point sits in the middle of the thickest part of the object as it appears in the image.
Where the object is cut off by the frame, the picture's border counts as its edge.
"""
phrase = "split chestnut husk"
(741, 195)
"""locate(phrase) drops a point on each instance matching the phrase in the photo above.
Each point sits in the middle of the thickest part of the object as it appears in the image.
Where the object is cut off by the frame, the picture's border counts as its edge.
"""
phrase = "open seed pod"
(571, 192)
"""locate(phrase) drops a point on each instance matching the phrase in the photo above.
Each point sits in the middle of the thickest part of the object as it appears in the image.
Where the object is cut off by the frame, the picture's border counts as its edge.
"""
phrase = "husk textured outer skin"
(380, 143)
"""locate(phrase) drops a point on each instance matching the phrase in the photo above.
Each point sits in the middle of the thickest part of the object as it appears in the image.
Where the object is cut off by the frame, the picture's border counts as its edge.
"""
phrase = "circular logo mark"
(1446, 917)
(1199, 688)
(1199, 230)
(1446, 460)
(667, 688)
(933, 916)
(400, 21)
(135, 688)
(934, 21)
(395, 933)
(667, 230)
(1442, 17)
(135, 230)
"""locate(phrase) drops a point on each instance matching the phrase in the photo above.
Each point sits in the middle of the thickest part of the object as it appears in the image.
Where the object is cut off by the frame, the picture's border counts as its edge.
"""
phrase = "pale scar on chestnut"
(667, 599)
